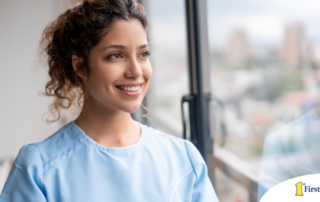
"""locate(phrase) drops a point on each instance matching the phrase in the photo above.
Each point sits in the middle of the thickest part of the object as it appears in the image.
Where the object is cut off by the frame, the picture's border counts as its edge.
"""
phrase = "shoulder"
(158, 135)
(60, 142)
(159, 139)
(27, 156)
(288, 138)
(195, 158)
(175, 145)
(295, 126)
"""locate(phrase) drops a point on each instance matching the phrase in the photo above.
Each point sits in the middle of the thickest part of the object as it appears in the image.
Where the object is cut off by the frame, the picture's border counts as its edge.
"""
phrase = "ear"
(76, 63)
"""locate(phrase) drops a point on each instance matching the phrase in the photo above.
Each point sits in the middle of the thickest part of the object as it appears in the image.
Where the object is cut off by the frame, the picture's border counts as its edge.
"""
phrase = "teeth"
(131, 89)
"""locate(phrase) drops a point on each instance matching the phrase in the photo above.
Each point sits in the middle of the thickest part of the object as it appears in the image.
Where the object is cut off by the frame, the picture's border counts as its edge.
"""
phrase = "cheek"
(99, 81)
(147, 72)
(106, 75)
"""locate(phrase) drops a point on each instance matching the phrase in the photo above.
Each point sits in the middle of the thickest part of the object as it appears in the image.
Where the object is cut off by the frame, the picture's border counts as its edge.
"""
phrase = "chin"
(131, 109)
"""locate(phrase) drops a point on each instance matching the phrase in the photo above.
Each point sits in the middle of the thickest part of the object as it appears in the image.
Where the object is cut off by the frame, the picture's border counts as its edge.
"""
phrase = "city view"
(265, 88)
(265, 70)
(264, 62)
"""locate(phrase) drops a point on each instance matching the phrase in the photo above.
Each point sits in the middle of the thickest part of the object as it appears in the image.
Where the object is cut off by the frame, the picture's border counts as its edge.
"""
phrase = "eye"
(145, 54)
(114, 56)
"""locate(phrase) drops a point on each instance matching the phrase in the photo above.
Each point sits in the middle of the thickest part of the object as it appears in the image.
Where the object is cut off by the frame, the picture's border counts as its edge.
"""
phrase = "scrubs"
(70, 166)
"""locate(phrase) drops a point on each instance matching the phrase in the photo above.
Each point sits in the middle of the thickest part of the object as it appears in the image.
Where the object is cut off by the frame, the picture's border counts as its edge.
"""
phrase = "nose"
(133, 69)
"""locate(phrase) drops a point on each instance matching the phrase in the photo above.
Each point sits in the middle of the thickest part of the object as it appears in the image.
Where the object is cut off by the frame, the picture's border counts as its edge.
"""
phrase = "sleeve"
(203, 190)
(25, 180)
(273, 167)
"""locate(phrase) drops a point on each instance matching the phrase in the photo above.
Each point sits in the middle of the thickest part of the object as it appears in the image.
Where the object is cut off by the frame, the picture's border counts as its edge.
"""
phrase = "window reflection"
(169, 63)
(291, 151)
(265, 69)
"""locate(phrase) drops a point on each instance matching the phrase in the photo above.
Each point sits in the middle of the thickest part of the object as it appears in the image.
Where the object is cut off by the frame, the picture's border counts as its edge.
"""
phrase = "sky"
(264, 21)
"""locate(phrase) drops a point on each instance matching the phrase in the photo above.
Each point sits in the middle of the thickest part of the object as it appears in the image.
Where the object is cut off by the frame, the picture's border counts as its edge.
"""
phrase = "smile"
(130, 89)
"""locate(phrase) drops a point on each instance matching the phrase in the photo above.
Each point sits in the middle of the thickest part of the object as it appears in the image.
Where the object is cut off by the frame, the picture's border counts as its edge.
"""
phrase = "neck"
(108, 126)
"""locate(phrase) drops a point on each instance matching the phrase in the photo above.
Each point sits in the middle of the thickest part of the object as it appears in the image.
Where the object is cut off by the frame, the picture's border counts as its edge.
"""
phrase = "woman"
(101, 48)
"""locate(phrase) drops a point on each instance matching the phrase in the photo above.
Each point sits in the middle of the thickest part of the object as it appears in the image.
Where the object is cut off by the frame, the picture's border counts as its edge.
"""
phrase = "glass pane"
(265, 59)
(168, 57)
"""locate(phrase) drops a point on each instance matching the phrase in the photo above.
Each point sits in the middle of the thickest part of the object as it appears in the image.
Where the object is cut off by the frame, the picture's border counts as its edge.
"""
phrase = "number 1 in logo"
(299, 189)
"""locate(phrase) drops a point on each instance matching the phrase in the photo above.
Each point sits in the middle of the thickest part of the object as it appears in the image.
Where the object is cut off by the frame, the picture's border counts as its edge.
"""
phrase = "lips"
(131, 93)
(130, 85)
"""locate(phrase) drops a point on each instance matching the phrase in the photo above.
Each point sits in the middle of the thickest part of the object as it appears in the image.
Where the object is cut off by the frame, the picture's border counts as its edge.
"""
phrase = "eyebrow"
(123, 47)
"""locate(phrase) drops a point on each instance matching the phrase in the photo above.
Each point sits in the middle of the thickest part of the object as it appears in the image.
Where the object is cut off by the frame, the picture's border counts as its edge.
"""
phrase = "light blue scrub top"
(70, 166)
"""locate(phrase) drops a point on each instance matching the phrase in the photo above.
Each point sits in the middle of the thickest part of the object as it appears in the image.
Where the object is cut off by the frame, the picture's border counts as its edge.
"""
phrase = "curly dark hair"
(76, 32)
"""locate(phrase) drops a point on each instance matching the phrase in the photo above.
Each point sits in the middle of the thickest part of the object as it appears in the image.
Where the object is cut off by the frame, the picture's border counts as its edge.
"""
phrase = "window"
(264, 58)
(169, 62)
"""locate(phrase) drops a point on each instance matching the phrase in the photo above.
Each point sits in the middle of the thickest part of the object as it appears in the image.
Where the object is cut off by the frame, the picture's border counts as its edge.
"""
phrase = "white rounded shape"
(299, 189)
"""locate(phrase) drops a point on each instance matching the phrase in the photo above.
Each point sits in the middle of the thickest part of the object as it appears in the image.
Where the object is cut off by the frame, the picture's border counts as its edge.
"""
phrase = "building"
(294, 48)
(238, 48)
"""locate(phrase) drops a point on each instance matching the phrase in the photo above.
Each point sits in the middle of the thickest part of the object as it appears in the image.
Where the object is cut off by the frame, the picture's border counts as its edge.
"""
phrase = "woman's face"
(120, 67)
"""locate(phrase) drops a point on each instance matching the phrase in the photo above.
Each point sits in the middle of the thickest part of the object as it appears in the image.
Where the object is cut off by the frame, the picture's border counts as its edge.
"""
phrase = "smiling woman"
(99, 51)
(119, 60)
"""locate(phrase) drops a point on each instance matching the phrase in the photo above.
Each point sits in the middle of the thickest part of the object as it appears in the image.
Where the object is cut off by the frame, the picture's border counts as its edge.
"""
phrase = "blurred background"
(264, 73)
(22, 107)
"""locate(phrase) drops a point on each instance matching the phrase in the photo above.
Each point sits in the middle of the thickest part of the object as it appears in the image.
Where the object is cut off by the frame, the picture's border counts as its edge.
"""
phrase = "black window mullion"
(199, 78)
